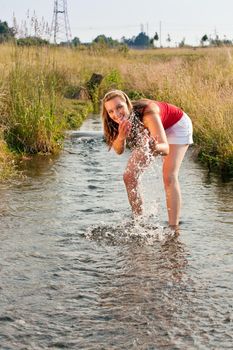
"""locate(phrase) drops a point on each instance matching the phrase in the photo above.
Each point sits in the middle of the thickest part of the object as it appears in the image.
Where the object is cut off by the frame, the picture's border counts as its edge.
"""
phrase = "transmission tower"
(60, 30)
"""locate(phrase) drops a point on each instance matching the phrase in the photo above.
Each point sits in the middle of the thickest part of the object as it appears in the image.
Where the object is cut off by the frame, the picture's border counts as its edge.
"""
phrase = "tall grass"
(33, 82)
(31, 123)
(7, 162)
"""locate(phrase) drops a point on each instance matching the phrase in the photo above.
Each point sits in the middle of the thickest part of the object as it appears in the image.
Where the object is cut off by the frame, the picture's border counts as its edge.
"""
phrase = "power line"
(107, 27)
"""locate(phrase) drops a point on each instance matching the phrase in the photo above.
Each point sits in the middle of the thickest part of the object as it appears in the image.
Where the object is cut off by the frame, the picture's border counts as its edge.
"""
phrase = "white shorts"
(180, 133)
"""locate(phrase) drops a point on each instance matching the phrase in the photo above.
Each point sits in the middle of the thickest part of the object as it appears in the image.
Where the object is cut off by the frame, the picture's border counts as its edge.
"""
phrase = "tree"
(182, 43)
(103, 40)
(226, 41)
(155, 39)
(204, 39)
(76, 41)
(156, 36)
(128, 42)
(216, 41)
(6, 33)
(168, 39)
(220, 42)
(142, 40)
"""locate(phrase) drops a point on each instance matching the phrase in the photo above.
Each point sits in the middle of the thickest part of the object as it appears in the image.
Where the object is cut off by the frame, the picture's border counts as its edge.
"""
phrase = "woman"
(149, 128)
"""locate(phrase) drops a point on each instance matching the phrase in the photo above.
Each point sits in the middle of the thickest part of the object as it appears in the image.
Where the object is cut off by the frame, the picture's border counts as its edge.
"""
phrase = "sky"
(189, 19)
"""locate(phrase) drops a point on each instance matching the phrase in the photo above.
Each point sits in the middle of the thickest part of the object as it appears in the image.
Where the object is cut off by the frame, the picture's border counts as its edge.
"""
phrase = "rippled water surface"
(77, 273)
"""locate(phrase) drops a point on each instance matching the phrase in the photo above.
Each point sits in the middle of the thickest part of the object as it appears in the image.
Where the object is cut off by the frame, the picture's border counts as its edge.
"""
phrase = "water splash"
(140, 231)
(142, 163)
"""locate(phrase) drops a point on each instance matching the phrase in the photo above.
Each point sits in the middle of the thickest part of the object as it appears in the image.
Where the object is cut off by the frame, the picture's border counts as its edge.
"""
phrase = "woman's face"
(117, 109)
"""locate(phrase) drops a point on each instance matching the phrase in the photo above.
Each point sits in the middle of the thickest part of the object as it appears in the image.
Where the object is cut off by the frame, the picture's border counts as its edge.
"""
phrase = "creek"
(77, 274)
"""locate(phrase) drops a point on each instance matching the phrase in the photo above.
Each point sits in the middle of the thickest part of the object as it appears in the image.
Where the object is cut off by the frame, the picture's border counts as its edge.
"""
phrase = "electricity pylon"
(60, 30)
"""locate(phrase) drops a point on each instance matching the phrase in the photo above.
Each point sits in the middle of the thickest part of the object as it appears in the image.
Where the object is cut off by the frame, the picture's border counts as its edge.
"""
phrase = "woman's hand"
(124, 129)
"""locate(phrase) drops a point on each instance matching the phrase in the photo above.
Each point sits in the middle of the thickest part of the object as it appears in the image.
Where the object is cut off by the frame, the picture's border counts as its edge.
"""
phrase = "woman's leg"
(171, 168)
(137, 163)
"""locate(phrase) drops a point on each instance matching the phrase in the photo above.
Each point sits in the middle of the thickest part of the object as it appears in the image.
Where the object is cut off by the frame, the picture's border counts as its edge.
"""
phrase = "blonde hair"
(111, 127)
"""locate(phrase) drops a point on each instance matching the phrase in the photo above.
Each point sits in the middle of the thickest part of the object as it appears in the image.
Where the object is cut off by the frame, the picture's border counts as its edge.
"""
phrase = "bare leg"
(137, 163)
(171, 166)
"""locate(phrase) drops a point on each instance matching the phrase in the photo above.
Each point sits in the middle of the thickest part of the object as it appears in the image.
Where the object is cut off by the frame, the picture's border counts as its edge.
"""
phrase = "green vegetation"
(32, 41)
(34, 112)
(7, 161)
(37, 112)
(41, 88)
(74, 112)
(6, 33)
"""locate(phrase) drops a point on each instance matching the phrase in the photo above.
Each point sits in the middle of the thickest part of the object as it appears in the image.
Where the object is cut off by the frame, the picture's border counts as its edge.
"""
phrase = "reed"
(33, 83)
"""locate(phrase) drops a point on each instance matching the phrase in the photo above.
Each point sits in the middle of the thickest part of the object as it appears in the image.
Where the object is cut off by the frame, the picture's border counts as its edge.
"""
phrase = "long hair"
(139, 107)
(111, 127)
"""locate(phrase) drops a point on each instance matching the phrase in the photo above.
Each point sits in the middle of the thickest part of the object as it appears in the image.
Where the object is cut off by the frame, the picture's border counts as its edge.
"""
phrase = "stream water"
(77, 273)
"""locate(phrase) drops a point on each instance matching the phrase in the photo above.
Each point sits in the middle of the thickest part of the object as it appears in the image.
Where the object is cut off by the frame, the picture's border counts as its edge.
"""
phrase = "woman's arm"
(152, 121)
(123, 131)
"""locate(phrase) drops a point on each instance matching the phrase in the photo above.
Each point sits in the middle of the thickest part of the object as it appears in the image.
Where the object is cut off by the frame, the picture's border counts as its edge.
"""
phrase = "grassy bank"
(35, 84)
(33, 109)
